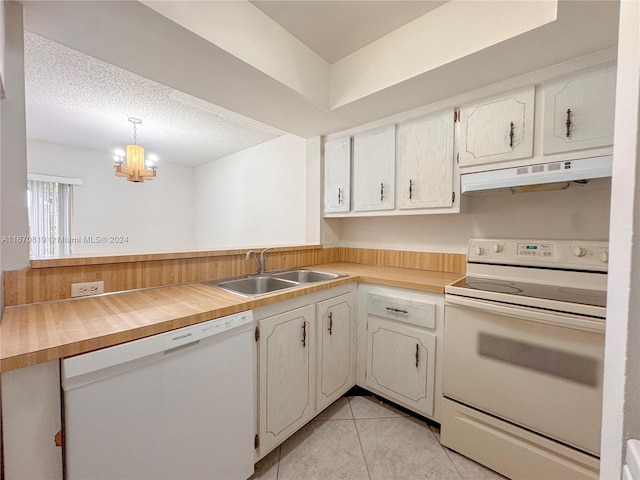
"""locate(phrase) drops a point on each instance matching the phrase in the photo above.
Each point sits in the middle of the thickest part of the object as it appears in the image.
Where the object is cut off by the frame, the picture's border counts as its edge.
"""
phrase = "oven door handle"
(529, 314)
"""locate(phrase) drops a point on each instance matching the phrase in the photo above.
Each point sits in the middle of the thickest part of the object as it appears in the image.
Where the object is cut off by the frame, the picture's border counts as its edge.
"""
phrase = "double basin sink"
(252, 286)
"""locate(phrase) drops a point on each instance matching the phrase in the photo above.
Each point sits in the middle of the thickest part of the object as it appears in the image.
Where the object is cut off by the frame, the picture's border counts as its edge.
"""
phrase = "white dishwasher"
(178, 405)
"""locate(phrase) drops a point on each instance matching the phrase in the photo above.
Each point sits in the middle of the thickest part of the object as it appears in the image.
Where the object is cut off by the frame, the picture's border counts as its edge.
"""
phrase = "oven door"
(535, 368)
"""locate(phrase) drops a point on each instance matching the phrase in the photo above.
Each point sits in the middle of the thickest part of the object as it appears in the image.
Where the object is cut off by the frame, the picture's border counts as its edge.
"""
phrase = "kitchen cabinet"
(401, 351)
(374, 160)
(497, 129)
(286, 375)
(31, 418)
(337, 175)
(306, 360)
(336, 348)
(425, 161)
(579, 111)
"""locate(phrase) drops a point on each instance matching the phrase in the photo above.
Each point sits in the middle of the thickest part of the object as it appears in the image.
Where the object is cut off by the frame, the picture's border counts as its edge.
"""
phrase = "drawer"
(420, 314)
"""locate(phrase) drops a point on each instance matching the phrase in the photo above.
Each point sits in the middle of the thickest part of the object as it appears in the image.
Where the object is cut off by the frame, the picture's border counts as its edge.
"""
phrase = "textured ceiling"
(335, 29)
(75, 99)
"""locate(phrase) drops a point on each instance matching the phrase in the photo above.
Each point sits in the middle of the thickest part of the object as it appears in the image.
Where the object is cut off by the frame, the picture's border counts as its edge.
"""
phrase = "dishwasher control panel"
(194, 333)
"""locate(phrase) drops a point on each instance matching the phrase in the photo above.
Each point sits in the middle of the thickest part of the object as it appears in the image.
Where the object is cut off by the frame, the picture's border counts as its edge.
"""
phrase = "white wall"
(254, 197)
(580, 212)
(155, 215)
(13, 143)
(621, 401)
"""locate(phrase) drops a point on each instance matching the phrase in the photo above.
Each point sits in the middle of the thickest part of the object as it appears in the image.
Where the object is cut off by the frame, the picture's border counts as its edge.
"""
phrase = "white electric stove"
(523, 359)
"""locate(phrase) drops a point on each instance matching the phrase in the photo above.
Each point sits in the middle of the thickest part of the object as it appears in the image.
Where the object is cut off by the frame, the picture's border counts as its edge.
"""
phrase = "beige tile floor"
(362, 438)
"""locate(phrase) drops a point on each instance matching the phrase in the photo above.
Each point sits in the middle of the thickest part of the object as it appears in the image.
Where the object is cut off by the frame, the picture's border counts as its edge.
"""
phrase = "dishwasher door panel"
(185, 413)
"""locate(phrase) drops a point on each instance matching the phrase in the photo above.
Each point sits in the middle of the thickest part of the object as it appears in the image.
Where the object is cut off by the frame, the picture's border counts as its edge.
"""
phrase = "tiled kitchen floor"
(361, 438)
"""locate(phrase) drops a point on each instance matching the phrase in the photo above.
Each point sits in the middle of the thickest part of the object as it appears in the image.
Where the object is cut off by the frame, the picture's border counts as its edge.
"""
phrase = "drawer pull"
(397, 310)
(568, 123)
(330, 322)
(382, 192)
(417, 355)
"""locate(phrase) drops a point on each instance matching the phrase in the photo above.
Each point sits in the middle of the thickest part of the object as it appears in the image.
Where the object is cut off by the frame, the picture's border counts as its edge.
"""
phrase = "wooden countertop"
(37, 333)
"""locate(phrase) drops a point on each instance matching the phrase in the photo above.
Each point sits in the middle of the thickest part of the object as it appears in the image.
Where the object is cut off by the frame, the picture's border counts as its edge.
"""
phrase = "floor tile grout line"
(364, 457)
(278, 465)
(446, 452)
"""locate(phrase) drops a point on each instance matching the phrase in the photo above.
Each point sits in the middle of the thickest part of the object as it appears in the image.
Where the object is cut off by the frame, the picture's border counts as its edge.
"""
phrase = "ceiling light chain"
(135, 165)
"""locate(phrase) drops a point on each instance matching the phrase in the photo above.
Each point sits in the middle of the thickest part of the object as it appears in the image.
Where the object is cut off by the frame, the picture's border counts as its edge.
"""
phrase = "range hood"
(538, 177)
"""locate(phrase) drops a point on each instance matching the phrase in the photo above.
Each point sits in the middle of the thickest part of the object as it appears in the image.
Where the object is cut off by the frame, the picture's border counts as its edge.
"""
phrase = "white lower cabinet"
(287, 361)
(306, 361)
(401, 363)
(400, 347)
(336, 348)
(31, 418)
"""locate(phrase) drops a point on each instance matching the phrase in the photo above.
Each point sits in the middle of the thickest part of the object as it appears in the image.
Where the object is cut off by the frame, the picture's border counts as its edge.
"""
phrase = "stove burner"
(520, 289)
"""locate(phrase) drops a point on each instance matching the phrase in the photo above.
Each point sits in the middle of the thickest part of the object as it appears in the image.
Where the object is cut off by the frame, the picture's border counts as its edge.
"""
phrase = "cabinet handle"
(511, 134)
(410, 189)
(417, 354)
(568, 122)
(382, 192)
(339, 196)
(397, 310)
(330, 322)
(304, 334)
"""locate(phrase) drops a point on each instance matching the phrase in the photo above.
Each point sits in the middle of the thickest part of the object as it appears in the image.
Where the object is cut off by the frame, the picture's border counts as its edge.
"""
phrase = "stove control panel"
(567, 254)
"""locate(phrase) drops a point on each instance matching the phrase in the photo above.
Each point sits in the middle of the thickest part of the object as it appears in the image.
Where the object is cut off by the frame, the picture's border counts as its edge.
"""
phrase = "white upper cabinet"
(497, 129)
(337, 175)
(425, 161)
(374, 156)
(579, 111)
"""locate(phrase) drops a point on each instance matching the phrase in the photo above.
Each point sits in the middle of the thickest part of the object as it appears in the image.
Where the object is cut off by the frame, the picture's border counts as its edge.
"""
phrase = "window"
(50, 205)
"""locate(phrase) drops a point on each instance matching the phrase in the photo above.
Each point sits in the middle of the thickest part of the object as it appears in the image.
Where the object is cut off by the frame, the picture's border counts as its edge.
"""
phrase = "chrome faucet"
(253, 253)
(260, 261)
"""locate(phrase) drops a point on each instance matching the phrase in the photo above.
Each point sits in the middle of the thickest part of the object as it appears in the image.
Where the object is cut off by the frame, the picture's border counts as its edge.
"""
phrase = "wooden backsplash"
(52, 279)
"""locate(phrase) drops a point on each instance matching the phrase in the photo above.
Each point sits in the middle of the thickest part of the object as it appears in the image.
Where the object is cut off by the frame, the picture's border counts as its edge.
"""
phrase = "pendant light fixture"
(133, 165)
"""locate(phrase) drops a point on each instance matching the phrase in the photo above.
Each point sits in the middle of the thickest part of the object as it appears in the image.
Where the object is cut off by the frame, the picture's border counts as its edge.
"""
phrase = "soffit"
(335, 29)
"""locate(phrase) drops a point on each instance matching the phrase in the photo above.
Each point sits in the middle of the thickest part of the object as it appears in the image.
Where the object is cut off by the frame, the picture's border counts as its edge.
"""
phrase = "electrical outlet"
(326, 238)
(87, 288)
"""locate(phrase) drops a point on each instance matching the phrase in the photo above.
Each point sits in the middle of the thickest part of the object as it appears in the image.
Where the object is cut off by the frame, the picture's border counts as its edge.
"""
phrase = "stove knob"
(579, 252)
(604, 257)
(479, 250)
(497, 248)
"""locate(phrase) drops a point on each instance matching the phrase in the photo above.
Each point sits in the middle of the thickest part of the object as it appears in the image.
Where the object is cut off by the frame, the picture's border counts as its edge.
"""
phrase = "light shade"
(134, 168)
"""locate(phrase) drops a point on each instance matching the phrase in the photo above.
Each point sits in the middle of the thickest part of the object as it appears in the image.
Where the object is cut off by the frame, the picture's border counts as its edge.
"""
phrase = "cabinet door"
(374, 160)
(425, 161)
(287, 363)
(497, 129)
(401, 363)
(337, 175)
(336, 348)
(579, 112)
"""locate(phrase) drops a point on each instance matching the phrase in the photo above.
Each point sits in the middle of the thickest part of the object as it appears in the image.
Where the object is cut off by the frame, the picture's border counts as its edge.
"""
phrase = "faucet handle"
(249, 253)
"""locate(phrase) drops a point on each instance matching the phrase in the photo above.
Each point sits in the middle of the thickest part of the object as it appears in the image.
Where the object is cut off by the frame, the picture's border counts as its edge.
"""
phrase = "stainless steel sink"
(253, 286)
(306, 276)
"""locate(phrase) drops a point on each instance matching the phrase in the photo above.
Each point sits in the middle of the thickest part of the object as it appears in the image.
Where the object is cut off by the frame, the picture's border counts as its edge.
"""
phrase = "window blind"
(50, 205)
